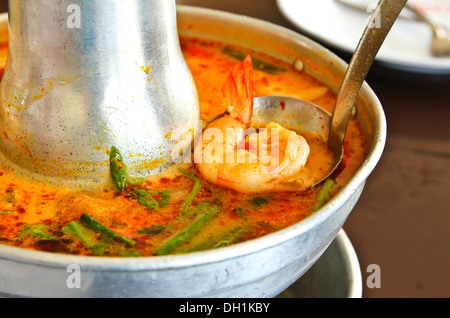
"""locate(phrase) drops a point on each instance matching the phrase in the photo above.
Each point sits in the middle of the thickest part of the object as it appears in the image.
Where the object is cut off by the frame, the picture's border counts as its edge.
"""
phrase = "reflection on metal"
(85, 75)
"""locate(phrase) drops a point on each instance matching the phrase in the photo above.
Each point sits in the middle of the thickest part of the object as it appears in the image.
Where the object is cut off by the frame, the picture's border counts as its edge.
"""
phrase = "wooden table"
(401, 221)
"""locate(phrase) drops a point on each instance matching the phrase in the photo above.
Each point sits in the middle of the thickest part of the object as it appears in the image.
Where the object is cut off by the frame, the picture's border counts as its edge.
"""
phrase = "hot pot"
(263, 267)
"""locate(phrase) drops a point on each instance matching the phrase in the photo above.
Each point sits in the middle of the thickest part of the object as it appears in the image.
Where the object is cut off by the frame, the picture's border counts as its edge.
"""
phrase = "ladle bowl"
(85, 75)
(314, 120)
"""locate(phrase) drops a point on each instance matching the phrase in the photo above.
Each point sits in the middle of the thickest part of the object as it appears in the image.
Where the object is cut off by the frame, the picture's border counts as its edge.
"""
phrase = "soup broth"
(177, 211)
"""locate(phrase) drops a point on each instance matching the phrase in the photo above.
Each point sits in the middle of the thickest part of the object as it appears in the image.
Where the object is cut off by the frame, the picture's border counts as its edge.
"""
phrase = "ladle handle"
(373, 37)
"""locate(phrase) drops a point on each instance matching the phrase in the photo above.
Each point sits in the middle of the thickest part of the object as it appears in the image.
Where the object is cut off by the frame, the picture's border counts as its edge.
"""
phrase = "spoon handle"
(373, 37)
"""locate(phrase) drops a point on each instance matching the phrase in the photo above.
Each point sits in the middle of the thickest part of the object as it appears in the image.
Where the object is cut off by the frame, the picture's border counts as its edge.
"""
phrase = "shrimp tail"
(237, 91)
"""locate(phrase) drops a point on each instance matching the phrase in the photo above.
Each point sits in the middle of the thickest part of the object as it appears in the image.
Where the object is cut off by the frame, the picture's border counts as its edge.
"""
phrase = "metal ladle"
(85, 75)
(314, 119)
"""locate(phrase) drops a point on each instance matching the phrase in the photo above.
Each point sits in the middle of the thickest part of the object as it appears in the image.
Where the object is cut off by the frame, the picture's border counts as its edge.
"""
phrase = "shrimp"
(233, 155)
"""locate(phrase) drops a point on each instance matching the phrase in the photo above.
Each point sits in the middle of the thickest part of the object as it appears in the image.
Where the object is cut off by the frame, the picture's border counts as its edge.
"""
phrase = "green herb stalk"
(324, 193)
(257, 63)
(38, 231)
(223, 239)
(97, 226)
(187, 233)
(118, 169)
(196, 188)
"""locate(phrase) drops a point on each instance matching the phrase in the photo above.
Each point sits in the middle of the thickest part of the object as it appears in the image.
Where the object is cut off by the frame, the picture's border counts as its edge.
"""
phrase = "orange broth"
(43, 217)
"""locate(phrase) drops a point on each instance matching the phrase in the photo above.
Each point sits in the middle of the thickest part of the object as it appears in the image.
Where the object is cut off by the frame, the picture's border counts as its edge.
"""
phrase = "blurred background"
(401, 221)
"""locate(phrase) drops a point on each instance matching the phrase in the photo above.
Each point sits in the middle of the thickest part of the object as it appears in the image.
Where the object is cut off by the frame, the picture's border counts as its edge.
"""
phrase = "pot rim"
(94, 263)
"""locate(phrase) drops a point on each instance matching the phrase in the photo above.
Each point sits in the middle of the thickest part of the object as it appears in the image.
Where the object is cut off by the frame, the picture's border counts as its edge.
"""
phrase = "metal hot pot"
(263, 267)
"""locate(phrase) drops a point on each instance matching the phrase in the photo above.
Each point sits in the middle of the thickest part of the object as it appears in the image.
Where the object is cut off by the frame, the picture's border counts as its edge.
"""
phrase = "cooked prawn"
(233, 155)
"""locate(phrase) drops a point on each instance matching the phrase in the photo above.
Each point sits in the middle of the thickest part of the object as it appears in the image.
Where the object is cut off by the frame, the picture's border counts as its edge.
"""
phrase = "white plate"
(339, 26)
